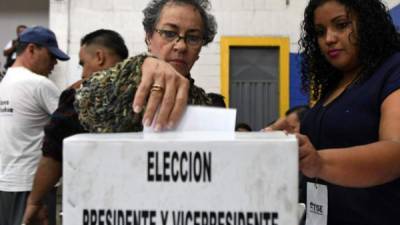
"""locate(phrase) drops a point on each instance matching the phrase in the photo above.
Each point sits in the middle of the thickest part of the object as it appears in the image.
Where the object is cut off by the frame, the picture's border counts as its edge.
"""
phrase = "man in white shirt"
(9, 50)
(27, 99)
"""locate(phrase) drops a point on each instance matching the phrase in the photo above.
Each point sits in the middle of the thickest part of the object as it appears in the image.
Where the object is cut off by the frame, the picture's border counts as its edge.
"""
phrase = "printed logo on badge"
(317, 204)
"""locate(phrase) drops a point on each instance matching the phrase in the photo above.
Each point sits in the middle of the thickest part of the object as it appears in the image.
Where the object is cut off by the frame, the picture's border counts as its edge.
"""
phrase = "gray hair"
(153, 10)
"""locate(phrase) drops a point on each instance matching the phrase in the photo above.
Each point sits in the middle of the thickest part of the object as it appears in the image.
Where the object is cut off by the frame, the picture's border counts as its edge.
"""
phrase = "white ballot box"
(194, 178)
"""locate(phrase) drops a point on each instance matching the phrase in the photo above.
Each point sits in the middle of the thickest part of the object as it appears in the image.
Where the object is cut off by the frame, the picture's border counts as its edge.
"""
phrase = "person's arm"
(10, 48)
(104, 102)
(47, 95)
(279, 124)
(47, 175)
(360, 166)
(63, 123)
(172, 102)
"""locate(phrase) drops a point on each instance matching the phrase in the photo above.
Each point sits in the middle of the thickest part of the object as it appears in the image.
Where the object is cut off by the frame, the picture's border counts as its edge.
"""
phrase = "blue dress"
(349, 120)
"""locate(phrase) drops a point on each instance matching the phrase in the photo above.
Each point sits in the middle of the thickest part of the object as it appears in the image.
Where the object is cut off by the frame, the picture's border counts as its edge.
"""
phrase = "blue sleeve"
(392, 81)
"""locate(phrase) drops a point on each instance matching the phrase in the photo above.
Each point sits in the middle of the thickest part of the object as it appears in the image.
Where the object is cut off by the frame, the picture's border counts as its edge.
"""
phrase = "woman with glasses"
(176, 31)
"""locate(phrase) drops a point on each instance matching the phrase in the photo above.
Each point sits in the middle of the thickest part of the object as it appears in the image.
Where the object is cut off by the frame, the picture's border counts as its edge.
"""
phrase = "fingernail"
(157, 128)
(146, 123)
(137, 109)
(170, 125)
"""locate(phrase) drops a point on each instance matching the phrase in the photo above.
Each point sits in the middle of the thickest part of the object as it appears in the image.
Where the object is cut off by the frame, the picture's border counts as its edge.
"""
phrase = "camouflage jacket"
(104, 102)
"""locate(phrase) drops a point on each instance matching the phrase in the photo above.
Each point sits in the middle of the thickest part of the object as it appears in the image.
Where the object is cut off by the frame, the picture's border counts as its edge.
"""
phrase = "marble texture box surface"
(195, 178)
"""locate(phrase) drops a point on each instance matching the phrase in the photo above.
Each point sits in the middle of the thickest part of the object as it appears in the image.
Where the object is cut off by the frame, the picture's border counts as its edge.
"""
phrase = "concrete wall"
(71, 19)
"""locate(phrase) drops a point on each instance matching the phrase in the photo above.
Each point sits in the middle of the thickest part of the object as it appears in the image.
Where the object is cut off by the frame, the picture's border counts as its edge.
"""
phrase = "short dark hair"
(217, 100)
(21, 26)
(108, 39)
(153, 10)
(300, 110)
(21, 46)
(243, 126)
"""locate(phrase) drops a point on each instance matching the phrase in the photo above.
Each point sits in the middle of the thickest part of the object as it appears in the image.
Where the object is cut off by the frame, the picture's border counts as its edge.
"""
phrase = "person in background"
(291, 121)
(2, 74)
(100, 49)
(10, 49)
(243, 127)
(349, 146)
(132, 75)
(27, 99)
(217, 100)
(176, 31)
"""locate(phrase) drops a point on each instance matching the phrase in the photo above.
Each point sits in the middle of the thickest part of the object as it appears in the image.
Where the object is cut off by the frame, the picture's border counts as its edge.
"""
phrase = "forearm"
(47, 175)
(9, 50)
(361, 166)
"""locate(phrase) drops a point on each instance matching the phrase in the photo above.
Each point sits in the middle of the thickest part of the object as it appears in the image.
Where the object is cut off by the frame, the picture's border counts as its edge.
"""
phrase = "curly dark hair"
(377, 39)
(153, 10)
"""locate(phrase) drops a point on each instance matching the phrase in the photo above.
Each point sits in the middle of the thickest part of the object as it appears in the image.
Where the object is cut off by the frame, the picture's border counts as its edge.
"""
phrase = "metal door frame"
(283, 45)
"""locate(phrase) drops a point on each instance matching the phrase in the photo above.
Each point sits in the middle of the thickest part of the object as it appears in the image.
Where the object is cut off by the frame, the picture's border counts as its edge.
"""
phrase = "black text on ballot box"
(203, 178)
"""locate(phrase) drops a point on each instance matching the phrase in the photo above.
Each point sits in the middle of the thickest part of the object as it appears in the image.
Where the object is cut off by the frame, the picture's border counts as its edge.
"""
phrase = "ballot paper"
(201, 118)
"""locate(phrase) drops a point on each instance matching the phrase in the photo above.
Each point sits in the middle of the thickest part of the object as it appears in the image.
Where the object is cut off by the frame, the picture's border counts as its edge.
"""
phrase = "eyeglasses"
(190, 39)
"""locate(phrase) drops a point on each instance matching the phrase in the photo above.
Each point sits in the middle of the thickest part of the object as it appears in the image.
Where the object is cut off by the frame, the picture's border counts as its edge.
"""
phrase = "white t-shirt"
(26, 103)
(9, 45)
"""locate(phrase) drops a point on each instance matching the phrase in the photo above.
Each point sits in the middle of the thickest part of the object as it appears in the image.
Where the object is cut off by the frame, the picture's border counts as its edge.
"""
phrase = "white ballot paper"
(202, 118)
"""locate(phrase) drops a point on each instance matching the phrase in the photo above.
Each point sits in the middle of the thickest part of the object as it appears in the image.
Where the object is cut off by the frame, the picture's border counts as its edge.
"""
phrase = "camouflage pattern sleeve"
(197, 96)
(104, 102)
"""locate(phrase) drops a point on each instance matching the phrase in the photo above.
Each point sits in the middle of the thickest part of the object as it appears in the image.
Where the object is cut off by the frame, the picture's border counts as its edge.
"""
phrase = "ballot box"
(193, 178)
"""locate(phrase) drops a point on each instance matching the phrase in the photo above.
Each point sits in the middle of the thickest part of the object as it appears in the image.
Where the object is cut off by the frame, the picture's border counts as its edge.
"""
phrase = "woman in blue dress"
(349, 144)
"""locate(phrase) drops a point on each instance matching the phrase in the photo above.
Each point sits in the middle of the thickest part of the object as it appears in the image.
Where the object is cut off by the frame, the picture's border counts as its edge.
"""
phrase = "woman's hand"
(310, 160)
(171, 96)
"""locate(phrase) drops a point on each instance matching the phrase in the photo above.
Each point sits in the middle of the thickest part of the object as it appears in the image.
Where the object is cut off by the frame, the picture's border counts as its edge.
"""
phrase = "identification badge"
(317, 204)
